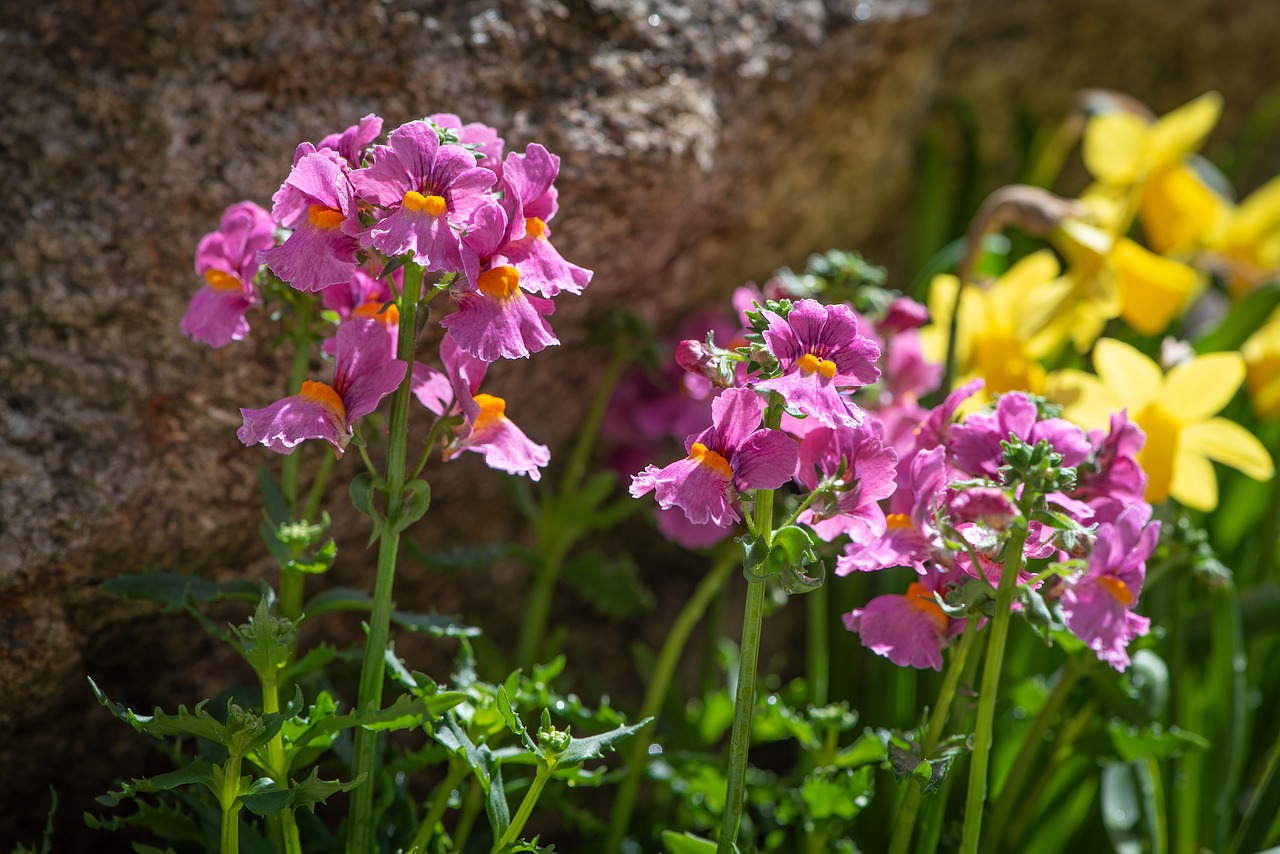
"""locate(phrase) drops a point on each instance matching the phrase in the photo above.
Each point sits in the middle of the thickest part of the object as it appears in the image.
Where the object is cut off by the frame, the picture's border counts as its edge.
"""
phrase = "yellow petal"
(1153, 289)
(1178, 210)
(1180, 132)
(1083, 398)
(1195, 390)
(1114, 147)
(1230, 444)
(1258, 214)
(1194, 483)
(1133, 378)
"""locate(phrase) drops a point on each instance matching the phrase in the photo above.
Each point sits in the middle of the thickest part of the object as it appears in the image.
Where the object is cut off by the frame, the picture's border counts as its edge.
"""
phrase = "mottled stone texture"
(703, 144)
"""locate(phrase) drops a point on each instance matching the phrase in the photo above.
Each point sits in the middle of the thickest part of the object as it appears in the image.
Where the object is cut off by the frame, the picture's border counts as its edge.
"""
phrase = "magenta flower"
(364, 297)
(363, 374)
(869, 469)
(1113, 471)
(1096, 606)
(427, 191)
(496, 319)
(318, 202)
(528, 247)
(821, 354)
(975, 444)
(228, 261)
(731, 456)
(485, 139)
(352, 142)
(486, 429)
(910, 630)
(911, 535)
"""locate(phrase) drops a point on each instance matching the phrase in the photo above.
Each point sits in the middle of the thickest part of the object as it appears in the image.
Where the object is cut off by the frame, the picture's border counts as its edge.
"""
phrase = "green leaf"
(514, 723)
(197, 722)
(405, 713)
(194, 773)
(686, 843)
(867, 750)
(346, 599)
(361, 490)
(842, 794)
(582, 749)
(275, 505)
(610, 585)
(486, 768)
(320, 563)
(313, 790)
(265, 798)
(417, 498)
(459, 558)
(1133, 743)
(176, 590)
(1244, 319)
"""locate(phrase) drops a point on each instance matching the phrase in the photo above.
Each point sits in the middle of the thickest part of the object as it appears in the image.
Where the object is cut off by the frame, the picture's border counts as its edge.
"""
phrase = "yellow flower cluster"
(1012, 332)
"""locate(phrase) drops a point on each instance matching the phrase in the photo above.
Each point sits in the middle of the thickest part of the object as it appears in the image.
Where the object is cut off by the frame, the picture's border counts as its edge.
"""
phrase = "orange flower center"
(373, 310)
(415, 201)
(324, 394)
(220, 280)
(810, 363)
(1118, 590)
(491, 409)
(923, 602)
(898, 520)
(535, 227)
(702, 454)
(501, 283)
(322, 217)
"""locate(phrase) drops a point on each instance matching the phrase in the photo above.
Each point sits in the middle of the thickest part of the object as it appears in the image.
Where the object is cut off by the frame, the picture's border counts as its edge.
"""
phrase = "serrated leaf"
(194, 773)
(513, 721)
(582, 749)
(197, 722)
(459, 558)
(176, 590)
(610, 585)
(486, 768)
(347, 599)
(320, 563)
(313, 790)
(168, 822)
(265, 798)
(686, 843)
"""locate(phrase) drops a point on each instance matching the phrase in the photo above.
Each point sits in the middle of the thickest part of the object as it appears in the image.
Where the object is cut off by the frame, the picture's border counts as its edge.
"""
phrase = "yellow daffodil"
(1142, 165)
(1174, 410)
(1262, 360)
(994, 337)
(1246, 244)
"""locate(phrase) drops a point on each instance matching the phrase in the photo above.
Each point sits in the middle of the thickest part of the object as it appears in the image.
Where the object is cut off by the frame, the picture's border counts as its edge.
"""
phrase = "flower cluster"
(353, 215)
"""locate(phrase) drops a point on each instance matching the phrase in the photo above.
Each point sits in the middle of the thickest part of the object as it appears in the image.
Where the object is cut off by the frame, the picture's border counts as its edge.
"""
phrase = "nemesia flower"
(820, 353)
(869, 469)
(528, 246)
(318, 202)
(228, 261)
(352, 142)
(976, 444)
(485, 139)
(496, 319)
(486, 429)
(911, 535)
(731, 456)
(1096, 606)
(1174, 411)
(910, 630)
(364, 297)
(1113, 472)
(363, 374)
(425, 191)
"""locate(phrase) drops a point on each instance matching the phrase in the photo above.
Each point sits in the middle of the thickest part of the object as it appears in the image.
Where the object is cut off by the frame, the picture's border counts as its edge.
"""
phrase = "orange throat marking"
(810, 363)
(324, 218)
(324, 394)
(702, 454)
(500, 283)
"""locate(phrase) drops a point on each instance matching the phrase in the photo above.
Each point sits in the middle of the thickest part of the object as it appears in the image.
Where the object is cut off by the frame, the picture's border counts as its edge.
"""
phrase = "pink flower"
(528, 247)
(975, 444)
(363, 374)
(228, 261)
(1097, 606)
(364, 297)
(733, 455)
(868, 473)
(909, 630)
(486, 429)
(485, 139)
(352, 142)
(318, 202)
(820, 353)
(911, 535)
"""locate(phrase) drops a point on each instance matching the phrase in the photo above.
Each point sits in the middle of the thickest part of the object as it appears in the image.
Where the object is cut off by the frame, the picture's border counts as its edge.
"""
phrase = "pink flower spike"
(821, 354)
(363, 374)
(228, 261)
(317, 201)
(731, 456)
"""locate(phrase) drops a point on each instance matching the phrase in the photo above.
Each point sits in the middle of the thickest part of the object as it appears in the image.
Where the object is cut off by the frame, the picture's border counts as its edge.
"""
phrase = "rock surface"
(703, 144)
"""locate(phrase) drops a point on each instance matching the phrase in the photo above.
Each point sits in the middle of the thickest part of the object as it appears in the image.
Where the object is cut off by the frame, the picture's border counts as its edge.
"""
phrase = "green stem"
(590, 430)
(364, 752)
(292, 581)
(1256, 799)
(471, 803)
(458, 770)
(229, 801)
(818, 650)
(538, 605)
(659, 686)
(1010, 793)
(1157, 808)
(748, 660)
(279, 766)
(1066, 742)
(976, 798)
(318, 485)
(526, 808)
(910, 807)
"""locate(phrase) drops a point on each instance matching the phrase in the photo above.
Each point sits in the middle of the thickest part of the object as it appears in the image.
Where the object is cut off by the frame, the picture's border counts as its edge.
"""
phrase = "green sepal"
(686, 843)
(416, 501)
(347, 599)
(177, 590)
(318, 564)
